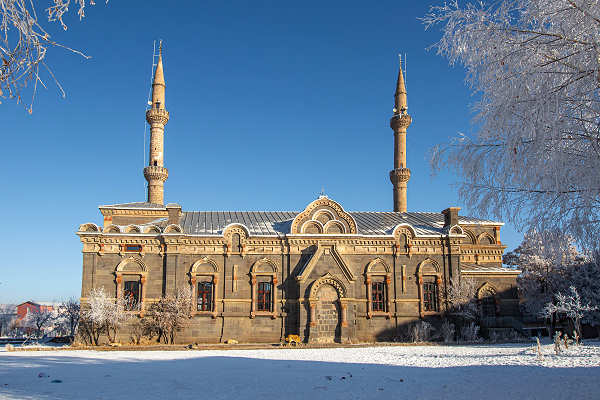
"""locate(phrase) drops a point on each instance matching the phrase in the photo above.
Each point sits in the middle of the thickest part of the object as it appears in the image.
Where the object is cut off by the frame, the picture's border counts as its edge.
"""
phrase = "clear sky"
(269, 100)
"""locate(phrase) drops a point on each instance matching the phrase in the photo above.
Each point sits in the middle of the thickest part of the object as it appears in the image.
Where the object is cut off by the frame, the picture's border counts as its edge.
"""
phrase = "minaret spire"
(157, 116)
(399, 123)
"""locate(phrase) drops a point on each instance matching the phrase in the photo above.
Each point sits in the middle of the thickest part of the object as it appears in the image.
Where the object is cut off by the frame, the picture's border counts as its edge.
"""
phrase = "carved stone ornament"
(328, 279)
(399, 175)
(313, 210)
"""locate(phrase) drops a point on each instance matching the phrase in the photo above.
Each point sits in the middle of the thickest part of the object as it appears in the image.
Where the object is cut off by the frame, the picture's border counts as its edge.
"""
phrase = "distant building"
(322, 273)
(30, 306)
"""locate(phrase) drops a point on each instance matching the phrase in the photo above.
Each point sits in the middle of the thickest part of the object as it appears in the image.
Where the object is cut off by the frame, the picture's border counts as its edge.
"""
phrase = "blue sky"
(269, 100)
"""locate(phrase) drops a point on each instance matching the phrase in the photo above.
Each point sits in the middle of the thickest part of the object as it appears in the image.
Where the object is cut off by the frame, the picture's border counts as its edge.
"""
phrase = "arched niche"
(470, 237)
(312, 227)
(152, 229)
(173, 228)
(456, 230)
(112, 229)
(321, 213)
(132, 229)
(235, 236)
(485, 239)
(334, 228)
(403, 235)
(340, 289)
(89, 227)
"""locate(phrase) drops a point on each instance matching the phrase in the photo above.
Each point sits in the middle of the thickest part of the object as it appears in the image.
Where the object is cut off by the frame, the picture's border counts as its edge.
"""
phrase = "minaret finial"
(157, 116)
(399, 123)
(400, 103)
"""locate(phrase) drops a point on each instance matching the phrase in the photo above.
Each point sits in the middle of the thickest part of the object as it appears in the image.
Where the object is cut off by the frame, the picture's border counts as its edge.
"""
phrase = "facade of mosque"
(323, 273)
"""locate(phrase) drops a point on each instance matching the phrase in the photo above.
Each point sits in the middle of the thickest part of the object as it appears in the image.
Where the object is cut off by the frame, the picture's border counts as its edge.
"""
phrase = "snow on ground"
(399, 372)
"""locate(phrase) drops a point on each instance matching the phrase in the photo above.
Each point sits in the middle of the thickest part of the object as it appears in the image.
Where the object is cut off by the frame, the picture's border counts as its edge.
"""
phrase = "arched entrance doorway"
(328, 318)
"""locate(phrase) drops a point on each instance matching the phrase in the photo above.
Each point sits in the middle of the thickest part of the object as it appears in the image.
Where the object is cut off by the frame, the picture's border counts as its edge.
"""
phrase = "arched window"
(131, 294)
(379, 296)
(204, 284)
(131, 283)
(430, 294)
(265, 296)
(205, 296)
(429, 281)
(263, 280)
(378, 279)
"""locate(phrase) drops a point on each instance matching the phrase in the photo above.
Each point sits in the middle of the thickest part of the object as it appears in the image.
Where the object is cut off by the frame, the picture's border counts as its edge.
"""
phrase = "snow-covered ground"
(399, 372)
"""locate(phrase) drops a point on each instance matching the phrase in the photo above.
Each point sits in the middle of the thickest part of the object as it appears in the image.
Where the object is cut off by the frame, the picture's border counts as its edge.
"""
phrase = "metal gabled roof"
(278, 223)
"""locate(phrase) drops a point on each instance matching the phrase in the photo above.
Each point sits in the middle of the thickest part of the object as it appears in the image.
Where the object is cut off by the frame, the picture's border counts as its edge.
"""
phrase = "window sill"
(263, 314)
(376, 314)
(212, 314)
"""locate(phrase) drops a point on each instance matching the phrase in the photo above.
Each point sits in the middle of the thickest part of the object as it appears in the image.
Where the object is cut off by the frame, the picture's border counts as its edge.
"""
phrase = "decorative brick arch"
(470, 236)
(485, 236)
(338, 285)
(89, 227)
(456, 230)
(173, 228)
(152, 229)
(140, 270)
(204, 269)
(487, 291)
(403, 235)
(264, 269)
(328, 279)
(112, 229)
(316, 212)
(235, 236)
(378, 270)
(429, 268)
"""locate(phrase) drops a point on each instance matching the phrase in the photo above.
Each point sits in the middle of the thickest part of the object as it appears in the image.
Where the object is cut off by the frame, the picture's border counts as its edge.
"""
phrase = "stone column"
(369, 297)
(194, 301)
(343, 310)
(274, 307)
(253, 295)
(215, 296)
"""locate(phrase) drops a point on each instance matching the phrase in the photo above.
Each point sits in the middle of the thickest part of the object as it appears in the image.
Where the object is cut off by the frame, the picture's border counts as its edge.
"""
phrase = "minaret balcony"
(157, 115)
(399, 175)
(156, 173)
(400, 122)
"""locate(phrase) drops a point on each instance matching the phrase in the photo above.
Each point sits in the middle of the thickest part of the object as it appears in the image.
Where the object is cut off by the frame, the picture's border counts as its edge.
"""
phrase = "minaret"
(399, 123)
(157, 116)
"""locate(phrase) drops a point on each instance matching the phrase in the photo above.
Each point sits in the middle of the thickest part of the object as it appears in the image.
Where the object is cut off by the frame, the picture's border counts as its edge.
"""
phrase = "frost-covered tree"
(24, 43)
(69, 313)
(545, 259)
(167, 316)
(461, 296)
(571, 306)
(586, 279)
(103, 314)
(534, 68)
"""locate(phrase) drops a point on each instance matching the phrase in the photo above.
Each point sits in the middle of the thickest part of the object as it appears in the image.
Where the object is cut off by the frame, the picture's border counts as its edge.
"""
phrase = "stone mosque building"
(323, 273)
